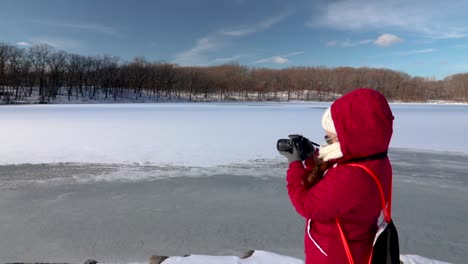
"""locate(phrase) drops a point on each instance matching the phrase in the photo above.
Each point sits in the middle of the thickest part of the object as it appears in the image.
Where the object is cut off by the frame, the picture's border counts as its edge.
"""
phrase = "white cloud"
(295, 53)
(200, 53)
(197, 54)
(382, 40)
(367, 41)
(279, 59)
(463, 66)
(99, 28)
(23, 44)
(387, 40)
(423, 17)
(332, 43)
(269, 59)
(92, 27)
(412, 52)
(261, 26)
(348, 43)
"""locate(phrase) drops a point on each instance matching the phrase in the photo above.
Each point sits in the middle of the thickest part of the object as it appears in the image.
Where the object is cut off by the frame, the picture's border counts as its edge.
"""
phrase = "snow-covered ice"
(197, 134)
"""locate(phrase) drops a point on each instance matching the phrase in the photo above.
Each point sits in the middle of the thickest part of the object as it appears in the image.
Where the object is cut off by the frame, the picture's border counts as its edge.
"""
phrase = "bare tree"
(40, 55)
(40, 73)
(57, 64)
(16, 72)
(5, 51)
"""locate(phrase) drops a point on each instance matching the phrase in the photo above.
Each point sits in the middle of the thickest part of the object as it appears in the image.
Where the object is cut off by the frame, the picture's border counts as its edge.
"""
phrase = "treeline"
(40, 74)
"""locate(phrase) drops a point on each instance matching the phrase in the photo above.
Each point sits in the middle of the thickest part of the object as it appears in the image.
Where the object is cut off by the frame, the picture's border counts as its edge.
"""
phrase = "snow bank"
(259, 257)
(265, 257)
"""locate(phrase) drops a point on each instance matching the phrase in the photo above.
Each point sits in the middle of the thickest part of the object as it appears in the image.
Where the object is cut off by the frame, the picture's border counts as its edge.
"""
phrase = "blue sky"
(422, 38)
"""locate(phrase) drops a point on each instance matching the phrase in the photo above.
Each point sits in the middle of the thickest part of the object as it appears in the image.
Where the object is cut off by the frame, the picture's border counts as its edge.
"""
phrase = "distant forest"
(40, 74)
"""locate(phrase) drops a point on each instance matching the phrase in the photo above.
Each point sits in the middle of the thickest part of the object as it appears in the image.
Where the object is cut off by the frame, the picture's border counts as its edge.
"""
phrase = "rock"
(248, 254)
(91, 261)
(157, 259)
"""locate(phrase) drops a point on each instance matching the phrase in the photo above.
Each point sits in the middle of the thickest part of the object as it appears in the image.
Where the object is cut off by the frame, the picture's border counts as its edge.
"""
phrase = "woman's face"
(332, 138)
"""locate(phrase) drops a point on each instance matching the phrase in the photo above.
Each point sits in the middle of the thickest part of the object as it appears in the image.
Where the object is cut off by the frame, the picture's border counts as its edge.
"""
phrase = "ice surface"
(70, 212)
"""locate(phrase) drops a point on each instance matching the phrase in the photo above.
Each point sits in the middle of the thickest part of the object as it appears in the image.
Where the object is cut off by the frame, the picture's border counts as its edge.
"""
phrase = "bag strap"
(345, 242)
(386, 208)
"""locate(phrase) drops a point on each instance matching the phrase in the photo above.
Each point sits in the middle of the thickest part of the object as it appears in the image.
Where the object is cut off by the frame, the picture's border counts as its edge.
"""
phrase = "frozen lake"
(197, 134)
(123, 182)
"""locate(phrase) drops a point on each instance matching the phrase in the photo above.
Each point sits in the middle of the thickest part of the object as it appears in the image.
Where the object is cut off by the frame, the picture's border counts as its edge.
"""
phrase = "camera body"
(305, 146)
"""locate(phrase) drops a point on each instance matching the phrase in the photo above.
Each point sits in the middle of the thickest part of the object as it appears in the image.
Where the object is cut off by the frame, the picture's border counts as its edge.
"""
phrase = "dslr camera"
(305, 146)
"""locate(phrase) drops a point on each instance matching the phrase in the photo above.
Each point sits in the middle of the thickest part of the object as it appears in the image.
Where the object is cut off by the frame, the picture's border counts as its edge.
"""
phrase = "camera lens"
(284, 145)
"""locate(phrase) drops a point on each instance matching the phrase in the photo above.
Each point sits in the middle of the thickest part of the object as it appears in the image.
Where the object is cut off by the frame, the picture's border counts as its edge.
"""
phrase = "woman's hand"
(295, 155)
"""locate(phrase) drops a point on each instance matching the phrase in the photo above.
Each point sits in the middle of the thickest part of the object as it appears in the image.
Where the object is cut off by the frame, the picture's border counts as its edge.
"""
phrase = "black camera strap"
(377, 156)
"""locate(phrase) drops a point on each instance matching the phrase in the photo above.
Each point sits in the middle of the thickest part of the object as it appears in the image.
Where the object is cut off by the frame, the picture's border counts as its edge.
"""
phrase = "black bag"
(386, 248)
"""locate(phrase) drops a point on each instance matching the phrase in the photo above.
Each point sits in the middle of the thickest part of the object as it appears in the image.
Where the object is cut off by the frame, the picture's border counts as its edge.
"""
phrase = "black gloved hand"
(305, 147)
(296, 151)
(310, 149)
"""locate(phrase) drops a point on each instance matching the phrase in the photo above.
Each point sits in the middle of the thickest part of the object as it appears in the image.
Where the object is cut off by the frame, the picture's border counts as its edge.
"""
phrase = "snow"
(265, 257)
(197, 134)
(414, 259)
(259, 257)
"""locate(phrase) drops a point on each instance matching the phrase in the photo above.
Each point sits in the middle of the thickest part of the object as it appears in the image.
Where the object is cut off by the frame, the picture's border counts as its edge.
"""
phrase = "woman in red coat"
(359, 128)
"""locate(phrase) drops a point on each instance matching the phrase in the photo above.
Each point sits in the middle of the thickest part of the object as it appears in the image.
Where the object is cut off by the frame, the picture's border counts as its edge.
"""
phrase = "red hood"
(364, 123)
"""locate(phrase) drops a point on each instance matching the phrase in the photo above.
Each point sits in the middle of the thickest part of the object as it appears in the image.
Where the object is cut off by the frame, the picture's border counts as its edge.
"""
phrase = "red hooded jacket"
(363, 122)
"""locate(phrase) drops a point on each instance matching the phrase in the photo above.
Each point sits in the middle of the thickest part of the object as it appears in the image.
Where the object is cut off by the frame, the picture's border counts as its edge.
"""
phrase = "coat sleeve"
(333, 196)
(295, 177)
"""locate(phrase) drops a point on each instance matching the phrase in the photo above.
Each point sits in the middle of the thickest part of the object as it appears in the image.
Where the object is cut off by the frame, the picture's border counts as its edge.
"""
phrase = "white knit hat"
(327, 121)
(329, 151)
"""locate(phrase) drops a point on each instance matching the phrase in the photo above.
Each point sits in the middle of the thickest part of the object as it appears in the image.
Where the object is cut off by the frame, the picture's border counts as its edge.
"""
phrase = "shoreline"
(231, 102)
